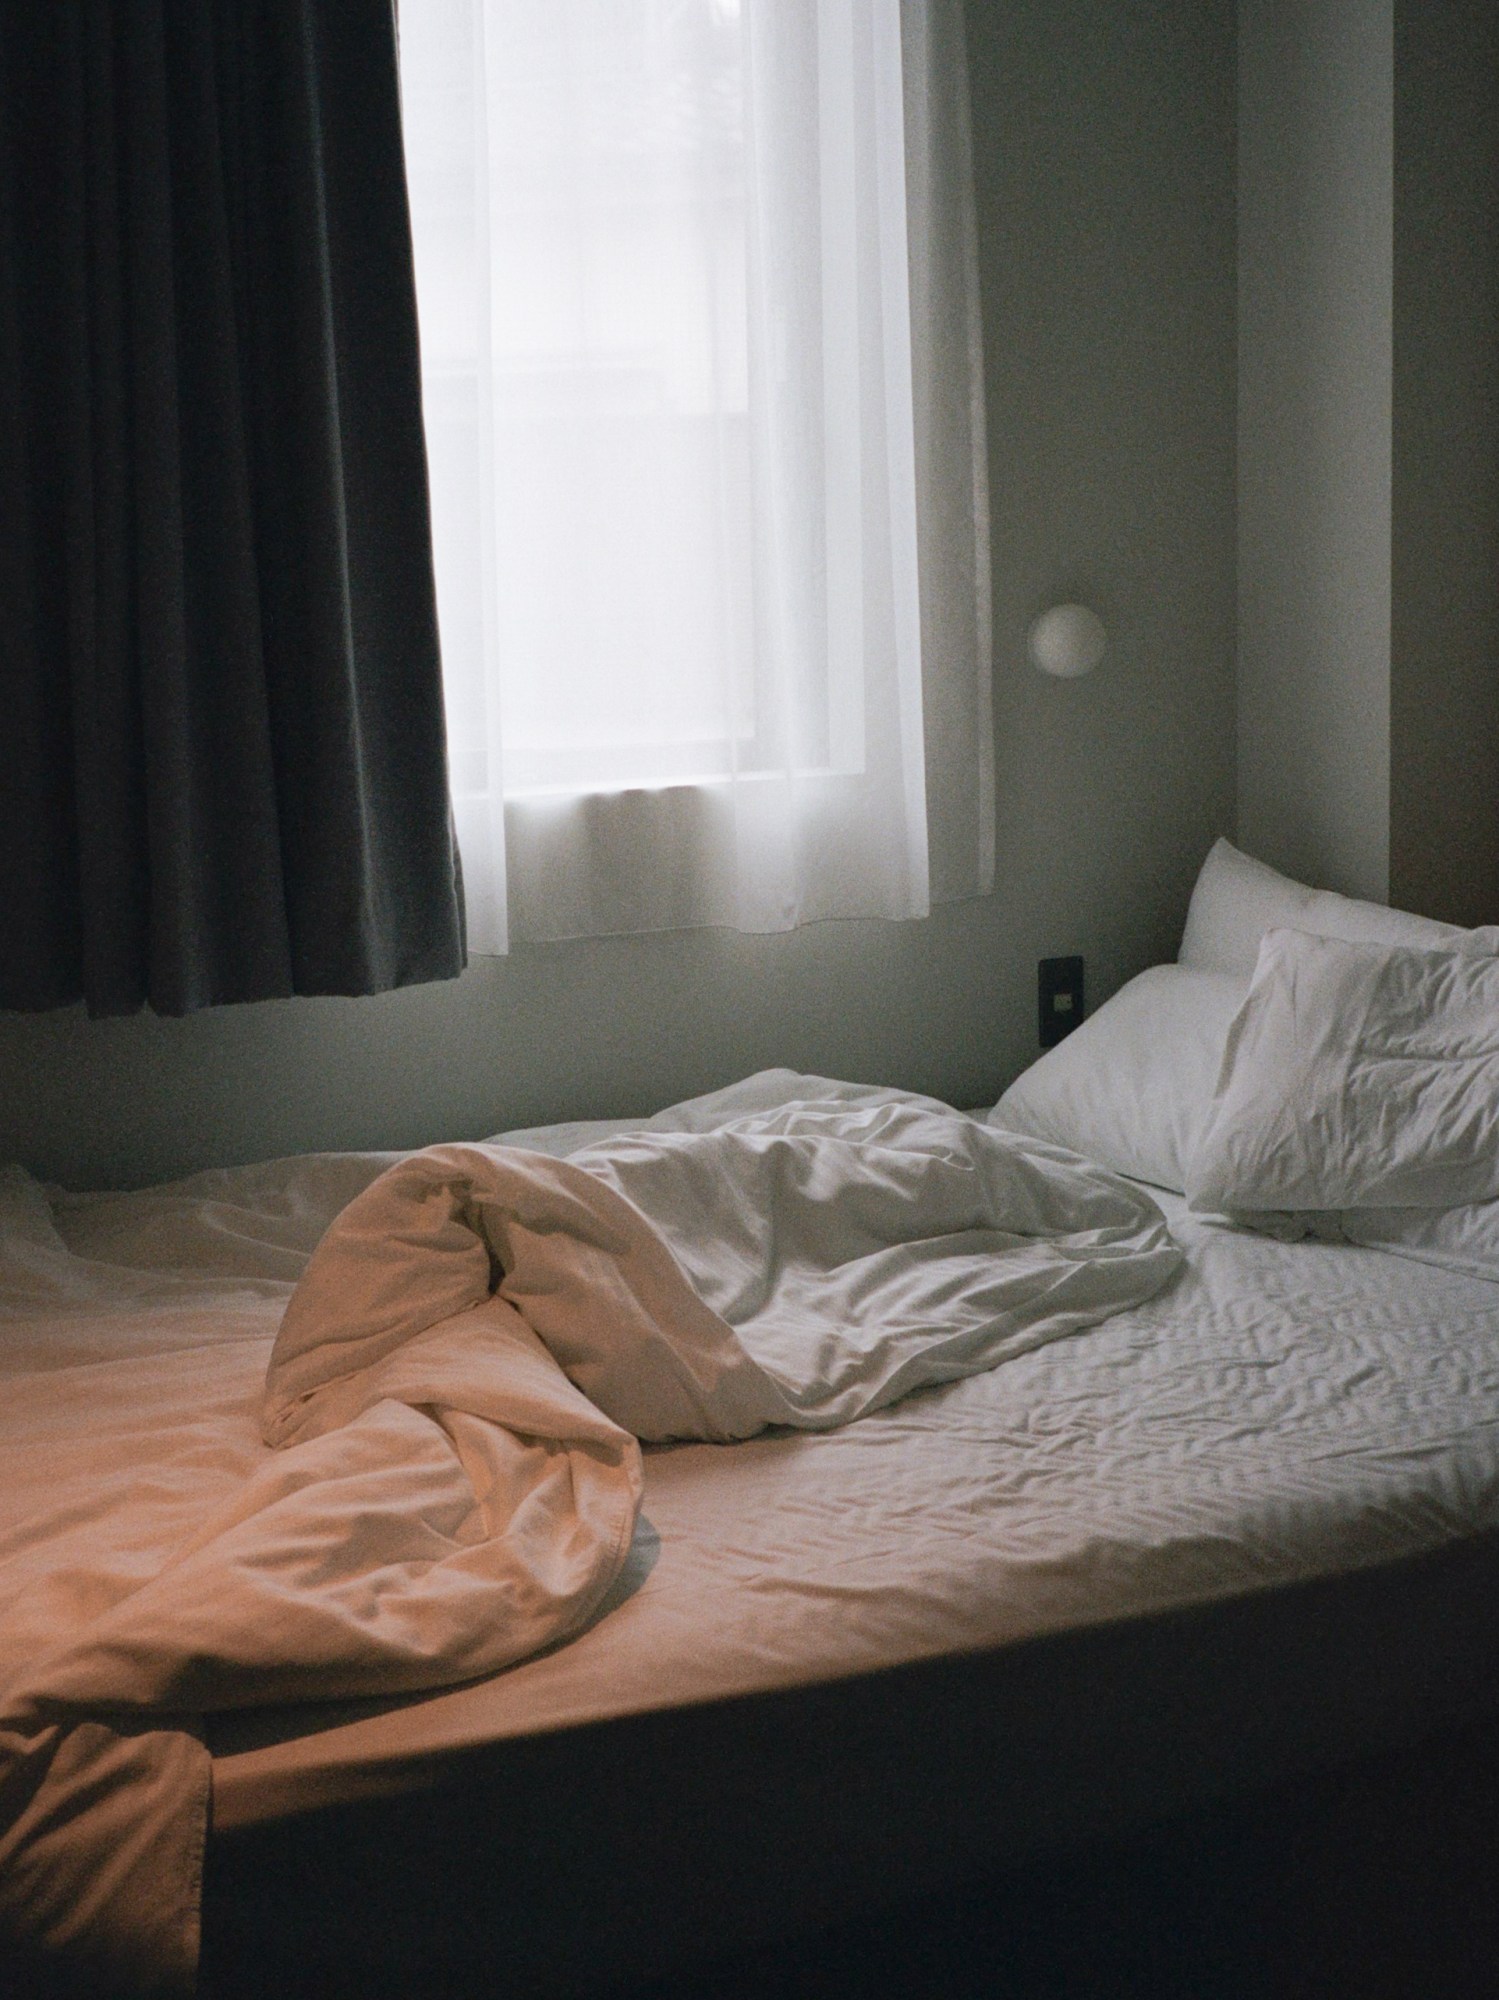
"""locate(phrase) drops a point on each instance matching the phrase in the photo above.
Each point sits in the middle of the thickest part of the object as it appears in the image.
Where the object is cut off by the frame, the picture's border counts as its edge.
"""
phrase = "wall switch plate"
(1059, 989)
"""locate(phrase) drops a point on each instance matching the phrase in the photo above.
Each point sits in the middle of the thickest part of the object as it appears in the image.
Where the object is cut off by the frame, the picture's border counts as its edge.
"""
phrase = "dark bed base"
(617, 1853)
(1375, 1881)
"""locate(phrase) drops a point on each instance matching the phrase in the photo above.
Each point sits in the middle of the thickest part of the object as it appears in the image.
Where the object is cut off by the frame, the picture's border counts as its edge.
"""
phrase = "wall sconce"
(1067, 641)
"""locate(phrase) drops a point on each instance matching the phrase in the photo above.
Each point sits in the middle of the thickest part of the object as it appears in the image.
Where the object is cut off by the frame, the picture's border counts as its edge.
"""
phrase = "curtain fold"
(222, 755)
(704, 392)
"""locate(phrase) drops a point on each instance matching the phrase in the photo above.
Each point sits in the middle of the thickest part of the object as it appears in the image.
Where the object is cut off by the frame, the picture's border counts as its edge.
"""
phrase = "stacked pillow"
(1356, 1076)
(1312, 1064)
(1237, 900)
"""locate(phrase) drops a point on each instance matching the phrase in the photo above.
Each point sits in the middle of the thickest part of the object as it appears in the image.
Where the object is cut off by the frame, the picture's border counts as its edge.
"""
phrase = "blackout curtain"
(222, 760)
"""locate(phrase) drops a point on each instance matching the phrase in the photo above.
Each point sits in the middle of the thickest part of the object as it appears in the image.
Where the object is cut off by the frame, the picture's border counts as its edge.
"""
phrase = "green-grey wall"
(1368, 516)
(1444, 640)
(1315, 258)
(1105, 144)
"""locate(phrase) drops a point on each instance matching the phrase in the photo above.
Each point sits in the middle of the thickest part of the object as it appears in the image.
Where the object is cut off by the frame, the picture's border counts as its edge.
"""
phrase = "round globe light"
(1067, 641)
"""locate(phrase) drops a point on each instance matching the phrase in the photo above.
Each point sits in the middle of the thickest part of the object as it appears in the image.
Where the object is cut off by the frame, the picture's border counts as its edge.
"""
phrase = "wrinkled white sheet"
(447, 1497)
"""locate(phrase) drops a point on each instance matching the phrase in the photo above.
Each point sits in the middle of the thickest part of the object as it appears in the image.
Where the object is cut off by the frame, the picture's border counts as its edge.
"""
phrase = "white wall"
(1105, 137)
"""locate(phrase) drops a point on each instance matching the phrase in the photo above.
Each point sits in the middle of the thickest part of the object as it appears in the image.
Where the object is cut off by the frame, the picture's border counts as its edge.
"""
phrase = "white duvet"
(455, 1398)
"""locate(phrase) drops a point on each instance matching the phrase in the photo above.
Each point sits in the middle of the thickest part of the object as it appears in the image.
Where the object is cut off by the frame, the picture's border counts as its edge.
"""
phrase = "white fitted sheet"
(1282, 1411)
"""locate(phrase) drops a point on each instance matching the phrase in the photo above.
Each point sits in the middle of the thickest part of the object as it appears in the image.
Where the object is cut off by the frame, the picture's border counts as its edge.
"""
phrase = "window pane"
(582, 267)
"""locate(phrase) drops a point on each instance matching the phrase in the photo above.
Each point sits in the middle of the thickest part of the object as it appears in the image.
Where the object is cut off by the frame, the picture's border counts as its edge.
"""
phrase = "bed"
(1238, 1526)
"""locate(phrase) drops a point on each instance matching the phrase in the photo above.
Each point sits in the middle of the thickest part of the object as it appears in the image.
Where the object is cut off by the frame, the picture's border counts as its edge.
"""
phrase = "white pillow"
(1464, 1239)
(1357, 1076)
(1237, 900)
(1131, 1086)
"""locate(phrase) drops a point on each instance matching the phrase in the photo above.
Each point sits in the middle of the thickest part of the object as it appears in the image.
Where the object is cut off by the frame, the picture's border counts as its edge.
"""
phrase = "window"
(697, 298)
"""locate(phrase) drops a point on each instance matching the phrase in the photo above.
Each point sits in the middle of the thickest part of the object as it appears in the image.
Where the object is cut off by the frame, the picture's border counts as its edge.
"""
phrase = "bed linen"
(1237, 898)
(1357, 1076)
(1283, 1412)
(1254, 1532)
(448, 1498)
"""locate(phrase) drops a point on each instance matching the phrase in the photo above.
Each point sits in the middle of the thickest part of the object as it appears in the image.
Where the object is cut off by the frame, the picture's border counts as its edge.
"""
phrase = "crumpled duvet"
(455, 1398)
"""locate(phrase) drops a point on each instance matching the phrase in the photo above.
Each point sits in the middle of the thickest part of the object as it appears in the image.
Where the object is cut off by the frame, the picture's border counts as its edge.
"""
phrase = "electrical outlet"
(1059, 991)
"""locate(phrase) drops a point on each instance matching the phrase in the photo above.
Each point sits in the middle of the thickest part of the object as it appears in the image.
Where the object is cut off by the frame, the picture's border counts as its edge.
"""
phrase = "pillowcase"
(1132, 1085)
(1237, 900)
(1462, 1239)
(1357, 1076)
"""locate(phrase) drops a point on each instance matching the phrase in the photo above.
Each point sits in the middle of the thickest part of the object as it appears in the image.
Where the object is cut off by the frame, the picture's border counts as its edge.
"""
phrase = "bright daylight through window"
(701, 377)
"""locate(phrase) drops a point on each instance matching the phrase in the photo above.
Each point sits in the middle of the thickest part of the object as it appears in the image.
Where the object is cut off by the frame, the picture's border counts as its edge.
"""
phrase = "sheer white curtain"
(702, 377)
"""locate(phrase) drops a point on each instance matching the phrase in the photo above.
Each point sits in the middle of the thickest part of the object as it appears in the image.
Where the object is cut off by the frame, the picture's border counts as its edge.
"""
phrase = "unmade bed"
(1250, 1532)
(1243, 1526)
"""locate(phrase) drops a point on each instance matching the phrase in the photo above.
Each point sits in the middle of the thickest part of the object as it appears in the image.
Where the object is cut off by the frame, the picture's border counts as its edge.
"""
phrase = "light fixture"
(1067, 641)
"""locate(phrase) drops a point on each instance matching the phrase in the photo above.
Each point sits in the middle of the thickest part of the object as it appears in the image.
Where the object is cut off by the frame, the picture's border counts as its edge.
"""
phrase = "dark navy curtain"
(222, 761)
